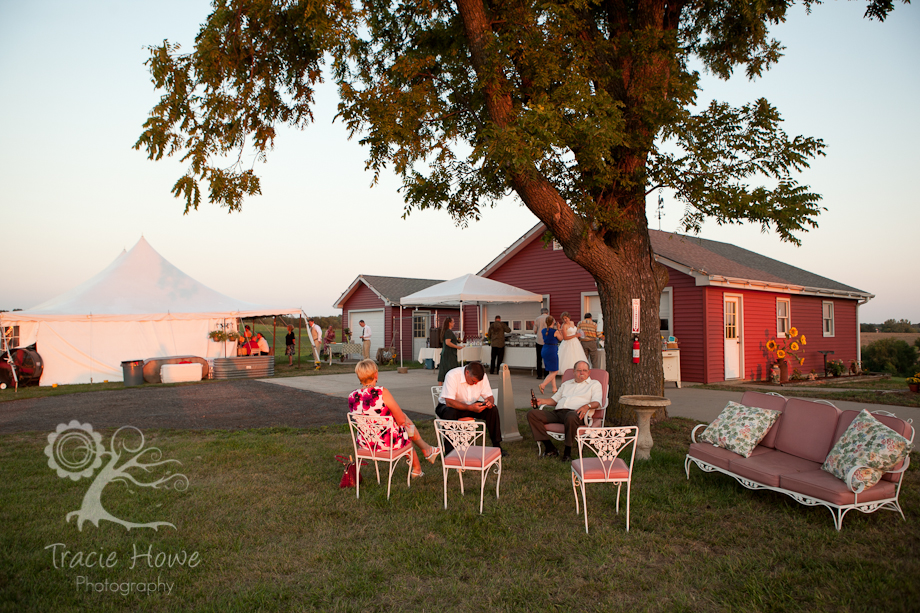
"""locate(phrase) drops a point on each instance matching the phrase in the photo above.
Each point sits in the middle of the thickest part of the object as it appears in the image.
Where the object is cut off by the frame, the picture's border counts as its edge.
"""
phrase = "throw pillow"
(739, 428)
(866, 451)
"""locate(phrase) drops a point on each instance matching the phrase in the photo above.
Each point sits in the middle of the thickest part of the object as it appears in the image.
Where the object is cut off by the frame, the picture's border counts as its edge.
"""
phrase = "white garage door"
(375, 320)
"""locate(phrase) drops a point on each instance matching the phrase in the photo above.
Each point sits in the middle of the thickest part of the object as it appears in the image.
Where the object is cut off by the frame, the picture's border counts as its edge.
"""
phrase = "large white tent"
(139, 307)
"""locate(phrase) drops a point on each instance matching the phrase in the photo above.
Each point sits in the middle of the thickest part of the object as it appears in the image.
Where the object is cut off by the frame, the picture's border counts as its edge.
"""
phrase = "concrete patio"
(413, 392)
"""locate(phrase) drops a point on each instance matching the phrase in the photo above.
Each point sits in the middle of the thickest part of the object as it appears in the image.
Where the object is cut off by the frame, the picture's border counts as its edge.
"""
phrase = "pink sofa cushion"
(806, 429)
(766, 401)
(766, 468)
(717, 456)
(895, 423)
(473, 457)
(825, 486)
(382, 454)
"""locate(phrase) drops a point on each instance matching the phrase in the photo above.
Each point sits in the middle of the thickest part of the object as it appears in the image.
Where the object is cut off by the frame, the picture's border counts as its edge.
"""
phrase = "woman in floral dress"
(371, 399)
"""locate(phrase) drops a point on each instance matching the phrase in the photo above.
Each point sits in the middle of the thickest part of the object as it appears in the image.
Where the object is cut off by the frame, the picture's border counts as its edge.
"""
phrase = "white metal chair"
(371, 429)
(594, 419)
(435, 395)
(469, 454)
(607, 444)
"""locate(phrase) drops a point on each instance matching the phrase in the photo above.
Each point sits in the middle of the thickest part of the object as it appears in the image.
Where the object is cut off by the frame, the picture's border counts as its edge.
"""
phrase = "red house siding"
(547, 271)
(687, 300)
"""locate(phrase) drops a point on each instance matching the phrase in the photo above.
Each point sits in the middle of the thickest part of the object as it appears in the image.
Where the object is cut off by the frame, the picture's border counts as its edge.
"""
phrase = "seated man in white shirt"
(467, 394)
(568, 406)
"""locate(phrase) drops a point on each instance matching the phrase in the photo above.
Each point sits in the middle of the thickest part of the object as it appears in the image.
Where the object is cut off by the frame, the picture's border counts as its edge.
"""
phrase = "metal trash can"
(429, 364)
(133, 372)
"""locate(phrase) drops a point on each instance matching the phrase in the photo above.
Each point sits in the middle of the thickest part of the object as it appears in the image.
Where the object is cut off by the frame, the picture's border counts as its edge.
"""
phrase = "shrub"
(890, 355)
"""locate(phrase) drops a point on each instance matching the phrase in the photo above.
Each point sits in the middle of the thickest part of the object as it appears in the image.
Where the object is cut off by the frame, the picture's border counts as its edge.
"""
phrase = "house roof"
(390, 289)
(715, 263)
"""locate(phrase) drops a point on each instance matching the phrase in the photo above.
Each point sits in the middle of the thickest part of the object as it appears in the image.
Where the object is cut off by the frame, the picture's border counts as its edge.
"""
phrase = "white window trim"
(788, 318)
(833, 329)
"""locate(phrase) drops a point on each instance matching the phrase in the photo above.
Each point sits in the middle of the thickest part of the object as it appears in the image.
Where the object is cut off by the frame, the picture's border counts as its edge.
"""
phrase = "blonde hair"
(366, 369)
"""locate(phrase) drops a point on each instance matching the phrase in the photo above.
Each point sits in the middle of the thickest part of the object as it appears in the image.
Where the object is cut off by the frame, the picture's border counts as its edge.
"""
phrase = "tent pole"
(461, 331)
(299, 320)
(400, 338)
(274, 333)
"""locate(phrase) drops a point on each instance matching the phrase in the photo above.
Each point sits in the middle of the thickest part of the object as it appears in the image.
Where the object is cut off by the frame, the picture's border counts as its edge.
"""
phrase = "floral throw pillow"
(739, 428)
(865, 452)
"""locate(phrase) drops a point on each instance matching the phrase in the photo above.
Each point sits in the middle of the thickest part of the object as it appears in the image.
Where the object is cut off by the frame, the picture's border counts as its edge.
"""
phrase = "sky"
(74, 93)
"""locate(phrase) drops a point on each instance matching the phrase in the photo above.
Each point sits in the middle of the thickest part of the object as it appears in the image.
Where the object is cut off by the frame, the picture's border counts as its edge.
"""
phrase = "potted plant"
(836, 367)
(913, 383)
(784, 348)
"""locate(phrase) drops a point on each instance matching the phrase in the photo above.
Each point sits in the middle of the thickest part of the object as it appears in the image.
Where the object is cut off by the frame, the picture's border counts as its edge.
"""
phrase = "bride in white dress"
(570, 349)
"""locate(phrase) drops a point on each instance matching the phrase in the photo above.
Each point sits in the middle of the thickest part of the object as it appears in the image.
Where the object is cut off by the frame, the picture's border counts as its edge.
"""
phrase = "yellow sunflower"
(794, 346)
(780, 354)
(771, 345)
(803, 340)
(793, 332)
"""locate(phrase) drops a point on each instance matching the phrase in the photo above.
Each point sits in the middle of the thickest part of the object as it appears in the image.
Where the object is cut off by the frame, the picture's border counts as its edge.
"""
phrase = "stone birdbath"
(645, 407)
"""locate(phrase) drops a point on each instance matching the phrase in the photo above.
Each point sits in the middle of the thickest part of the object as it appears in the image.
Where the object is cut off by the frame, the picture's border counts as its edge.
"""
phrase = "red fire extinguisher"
(636, 350)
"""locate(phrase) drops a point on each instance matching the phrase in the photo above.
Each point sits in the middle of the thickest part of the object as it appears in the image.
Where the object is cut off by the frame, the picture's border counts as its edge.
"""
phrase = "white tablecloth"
(467, 354)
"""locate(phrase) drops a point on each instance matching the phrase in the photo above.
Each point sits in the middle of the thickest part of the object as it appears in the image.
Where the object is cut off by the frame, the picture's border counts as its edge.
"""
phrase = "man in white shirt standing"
(366, 339)
(316, 336)
(569, 406)
(467, 394)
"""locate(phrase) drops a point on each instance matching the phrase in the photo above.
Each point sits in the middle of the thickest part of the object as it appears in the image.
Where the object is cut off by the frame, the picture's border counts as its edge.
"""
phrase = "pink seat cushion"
(766, 401)
(717, 456)
(806, 429)
(383, 454)
(895, 423)
(767, 467)
(823, 485)
(591, 469)
(473, 457)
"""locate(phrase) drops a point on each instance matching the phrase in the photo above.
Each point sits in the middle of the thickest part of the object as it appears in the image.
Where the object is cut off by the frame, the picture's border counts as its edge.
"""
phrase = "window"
(828, 310)
(12, 336)
(517, 325)
(782, 316)
(529, 326)
(419, 326)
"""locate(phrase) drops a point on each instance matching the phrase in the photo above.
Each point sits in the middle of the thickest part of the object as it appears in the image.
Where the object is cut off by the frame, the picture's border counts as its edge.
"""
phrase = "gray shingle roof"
(723, 259)
(395, 289)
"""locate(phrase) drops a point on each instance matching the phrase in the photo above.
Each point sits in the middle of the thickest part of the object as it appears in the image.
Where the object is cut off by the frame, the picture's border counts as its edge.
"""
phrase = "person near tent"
(539, 324)
(497, 331)
(570, 349)
(551, 338)
(316, 335)
(329, 340)
(365, 336)
(449, 347)
(290, 341)
(261, 345)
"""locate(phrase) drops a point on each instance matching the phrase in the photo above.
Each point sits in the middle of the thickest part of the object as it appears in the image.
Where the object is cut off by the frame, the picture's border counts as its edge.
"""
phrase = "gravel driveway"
(224, 405)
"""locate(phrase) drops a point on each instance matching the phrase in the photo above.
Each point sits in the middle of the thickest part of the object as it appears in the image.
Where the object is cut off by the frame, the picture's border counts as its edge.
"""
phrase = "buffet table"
(345, 349)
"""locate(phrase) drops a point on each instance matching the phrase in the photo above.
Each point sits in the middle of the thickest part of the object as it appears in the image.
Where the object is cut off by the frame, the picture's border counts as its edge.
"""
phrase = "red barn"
(722, 302)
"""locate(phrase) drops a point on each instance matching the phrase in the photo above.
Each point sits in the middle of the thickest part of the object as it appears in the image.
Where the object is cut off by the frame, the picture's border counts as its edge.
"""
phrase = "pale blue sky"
(74, 93)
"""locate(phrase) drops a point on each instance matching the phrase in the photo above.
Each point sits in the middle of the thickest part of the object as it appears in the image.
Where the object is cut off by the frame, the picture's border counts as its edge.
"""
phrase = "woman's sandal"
(432, 454)
(417, 475)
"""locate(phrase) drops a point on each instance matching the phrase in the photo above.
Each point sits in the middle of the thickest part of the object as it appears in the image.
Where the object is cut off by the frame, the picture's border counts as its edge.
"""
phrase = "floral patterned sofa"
(810, 450)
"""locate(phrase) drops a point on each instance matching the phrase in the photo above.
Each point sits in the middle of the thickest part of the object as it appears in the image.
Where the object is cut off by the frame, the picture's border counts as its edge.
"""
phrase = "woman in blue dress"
(550, 353)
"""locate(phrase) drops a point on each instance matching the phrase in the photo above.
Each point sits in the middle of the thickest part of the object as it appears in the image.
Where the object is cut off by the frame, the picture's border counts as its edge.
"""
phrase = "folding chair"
(607, 467)
(370, 430)
(470, 453)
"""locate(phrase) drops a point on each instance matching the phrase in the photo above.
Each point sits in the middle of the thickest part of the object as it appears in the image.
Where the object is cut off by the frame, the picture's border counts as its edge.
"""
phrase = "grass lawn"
(275, 533)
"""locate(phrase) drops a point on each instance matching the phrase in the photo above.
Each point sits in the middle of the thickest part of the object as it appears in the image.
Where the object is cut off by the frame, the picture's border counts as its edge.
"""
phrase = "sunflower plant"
(787, 347)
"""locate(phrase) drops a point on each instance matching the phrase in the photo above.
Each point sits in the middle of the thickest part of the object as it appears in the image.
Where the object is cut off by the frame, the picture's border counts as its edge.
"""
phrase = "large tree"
(579, 107)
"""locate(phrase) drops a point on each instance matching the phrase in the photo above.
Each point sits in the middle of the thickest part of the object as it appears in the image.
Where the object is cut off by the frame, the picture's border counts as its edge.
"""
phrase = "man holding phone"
(466, 394)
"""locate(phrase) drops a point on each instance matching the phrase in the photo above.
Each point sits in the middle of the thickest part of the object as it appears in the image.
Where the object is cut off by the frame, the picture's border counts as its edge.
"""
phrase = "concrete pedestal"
(645, 407)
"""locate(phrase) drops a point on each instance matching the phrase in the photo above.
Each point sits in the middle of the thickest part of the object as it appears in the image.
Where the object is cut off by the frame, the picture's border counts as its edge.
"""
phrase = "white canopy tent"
(468, 289)
(139, 307)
